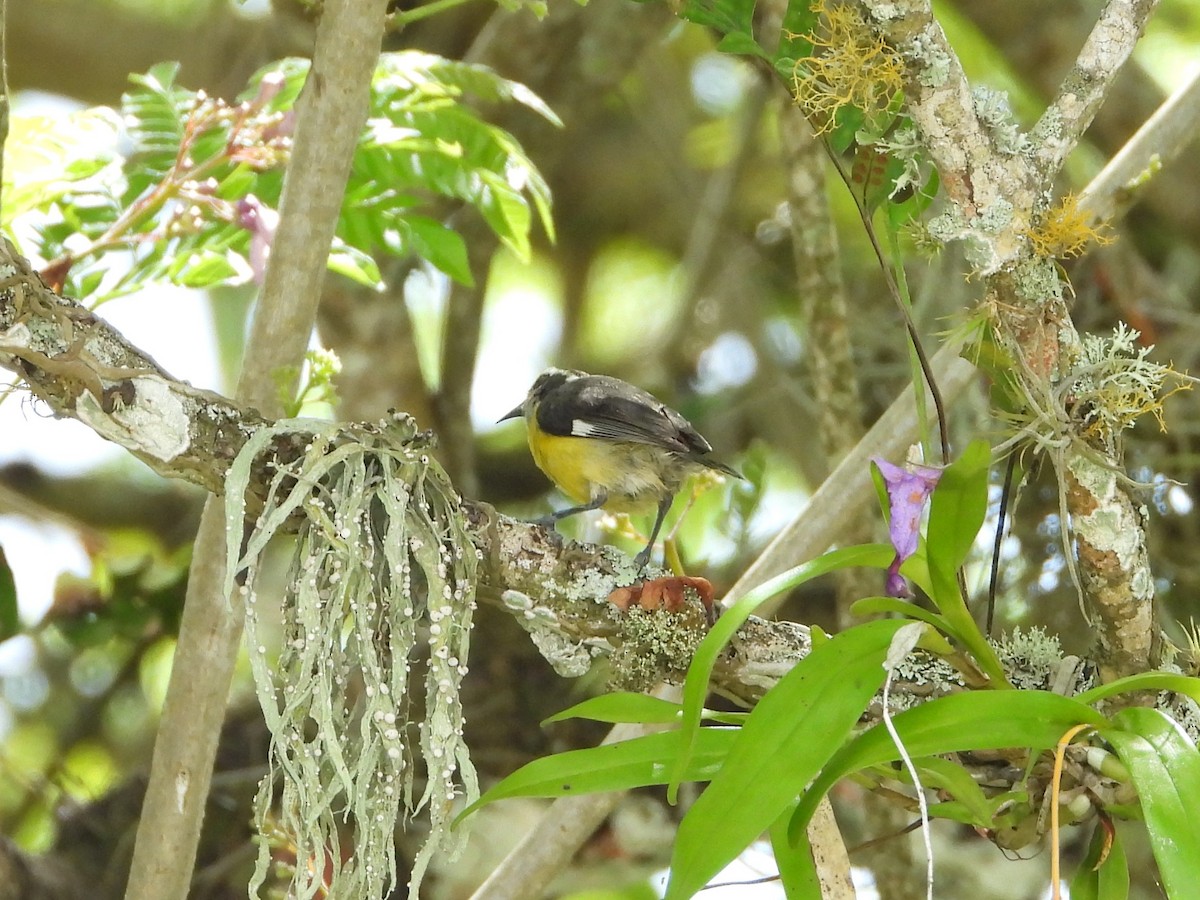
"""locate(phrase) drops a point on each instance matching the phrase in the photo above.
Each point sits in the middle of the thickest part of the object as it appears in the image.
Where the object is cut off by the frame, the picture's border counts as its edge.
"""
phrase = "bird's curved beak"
(516, 411)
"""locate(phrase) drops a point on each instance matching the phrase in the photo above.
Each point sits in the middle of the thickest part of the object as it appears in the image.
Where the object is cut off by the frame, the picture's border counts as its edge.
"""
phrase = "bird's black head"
(542, 386)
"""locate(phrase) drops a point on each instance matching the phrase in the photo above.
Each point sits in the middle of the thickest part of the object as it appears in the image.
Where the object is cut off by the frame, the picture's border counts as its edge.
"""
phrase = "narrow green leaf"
(623, 706)
(948, 776)
(10, 616)
(1165, 766)
(874, 606)
(1109, 881)
(973, 720)
(797, 871)
(695, 687)
(641, 708)
(796, 727)
(1144, 681)
(956, 512)
(621, 766)
(739, 43)
(957, 508)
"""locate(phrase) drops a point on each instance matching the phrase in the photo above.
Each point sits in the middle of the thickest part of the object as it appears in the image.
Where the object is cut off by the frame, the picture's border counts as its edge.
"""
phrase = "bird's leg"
(644, 557)
(596, 502)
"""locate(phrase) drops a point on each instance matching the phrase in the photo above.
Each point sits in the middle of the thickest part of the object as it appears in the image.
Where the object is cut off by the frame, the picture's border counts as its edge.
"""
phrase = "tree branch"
(1106, 49)
(999, 184)
(330, 114)
(985, 183)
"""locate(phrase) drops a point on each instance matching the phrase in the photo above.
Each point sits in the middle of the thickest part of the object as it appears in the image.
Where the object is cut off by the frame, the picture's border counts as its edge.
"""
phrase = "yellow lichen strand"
(1065, 231)
(850, 66)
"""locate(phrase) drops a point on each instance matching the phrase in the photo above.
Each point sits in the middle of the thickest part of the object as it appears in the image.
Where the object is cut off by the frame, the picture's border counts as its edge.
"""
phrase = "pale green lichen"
(1036, 280)
(933, 58)
(921, 668)
(995, 217)
(382, 583)
(905, 146)
(947, 226)
(656, 646)
(992, 108)
(594, 584)
(1031, 657)
(1114, 382)
(1048, 129)
(568, 657)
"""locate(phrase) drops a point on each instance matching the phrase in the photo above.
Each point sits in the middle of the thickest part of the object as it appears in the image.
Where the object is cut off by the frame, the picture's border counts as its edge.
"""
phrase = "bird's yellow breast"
(634, 476)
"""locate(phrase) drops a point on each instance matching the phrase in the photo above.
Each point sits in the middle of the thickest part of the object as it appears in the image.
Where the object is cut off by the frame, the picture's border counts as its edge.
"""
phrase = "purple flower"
(261, 221)
(908, 490)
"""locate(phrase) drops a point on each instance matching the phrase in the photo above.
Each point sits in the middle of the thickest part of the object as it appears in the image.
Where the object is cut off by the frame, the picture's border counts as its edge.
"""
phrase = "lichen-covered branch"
(84, 369)
(999, 184)
(1106, 49)
(983, 172)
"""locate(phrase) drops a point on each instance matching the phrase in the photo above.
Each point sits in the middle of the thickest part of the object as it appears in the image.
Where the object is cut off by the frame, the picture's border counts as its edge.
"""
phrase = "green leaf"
(154, 111)
(695, 687)
(956, 513)
(441, 247)
(796, 727)
(1108, 882)
(1144, 681)
(797, 871)
(202, 269)
(724, 16)
(740, 43)
(973, 720)
(47, 158)
(354, 264)
(958, 506)
(951, 778)
(875, 606)
(623, 706)
(1165, 766)
(799, 20)
(10, 616)
(622, 766)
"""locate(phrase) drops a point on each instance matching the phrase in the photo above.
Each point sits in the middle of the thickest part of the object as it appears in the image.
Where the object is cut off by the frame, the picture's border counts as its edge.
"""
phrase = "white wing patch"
(582, 428)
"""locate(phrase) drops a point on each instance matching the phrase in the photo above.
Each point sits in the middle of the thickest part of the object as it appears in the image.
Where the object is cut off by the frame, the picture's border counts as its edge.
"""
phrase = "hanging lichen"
(382, 567)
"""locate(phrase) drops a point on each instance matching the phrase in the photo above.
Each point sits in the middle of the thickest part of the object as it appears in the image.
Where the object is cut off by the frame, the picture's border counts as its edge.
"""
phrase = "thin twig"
(1157, 143)
(894, 289)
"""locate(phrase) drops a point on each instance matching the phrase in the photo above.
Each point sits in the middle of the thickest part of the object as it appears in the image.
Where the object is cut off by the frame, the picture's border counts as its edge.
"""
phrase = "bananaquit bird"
(606, 443)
